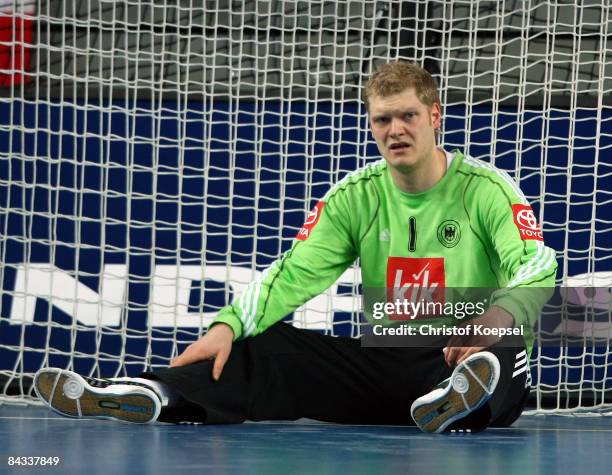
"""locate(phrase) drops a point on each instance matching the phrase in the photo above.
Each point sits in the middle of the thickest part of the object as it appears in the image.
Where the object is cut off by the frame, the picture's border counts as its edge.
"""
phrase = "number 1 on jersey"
(412, 234)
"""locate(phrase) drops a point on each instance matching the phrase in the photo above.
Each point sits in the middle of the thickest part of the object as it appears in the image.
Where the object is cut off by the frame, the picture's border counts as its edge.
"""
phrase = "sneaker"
(469, 387)
(72, 395)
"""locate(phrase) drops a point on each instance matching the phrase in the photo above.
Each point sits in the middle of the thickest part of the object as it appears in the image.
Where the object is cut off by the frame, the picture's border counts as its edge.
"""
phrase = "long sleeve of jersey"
(320, 253)
(527, 267)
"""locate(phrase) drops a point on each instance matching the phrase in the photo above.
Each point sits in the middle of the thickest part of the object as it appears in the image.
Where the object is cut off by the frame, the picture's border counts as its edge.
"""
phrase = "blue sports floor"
(536, 444)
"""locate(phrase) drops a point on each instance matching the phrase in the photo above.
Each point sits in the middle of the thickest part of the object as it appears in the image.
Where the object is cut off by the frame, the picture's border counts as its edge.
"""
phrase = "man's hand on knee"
(215, 345)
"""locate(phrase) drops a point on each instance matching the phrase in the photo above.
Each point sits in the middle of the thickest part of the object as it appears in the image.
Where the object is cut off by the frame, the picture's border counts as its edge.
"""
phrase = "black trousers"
(286, 373)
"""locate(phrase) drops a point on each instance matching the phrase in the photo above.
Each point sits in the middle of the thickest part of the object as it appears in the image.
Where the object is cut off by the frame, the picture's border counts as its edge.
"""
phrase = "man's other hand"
(459, 347)
(215, 345)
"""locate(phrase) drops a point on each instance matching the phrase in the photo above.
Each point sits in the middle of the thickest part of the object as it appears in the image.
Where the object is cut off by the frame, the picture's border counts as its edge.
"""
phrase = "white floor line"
(40, 418)
(320, 424)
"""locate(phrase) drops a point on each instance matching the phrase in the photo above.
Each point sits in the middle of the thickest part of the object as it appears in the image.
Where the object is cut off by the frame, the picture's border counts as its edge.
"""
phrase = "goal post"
(157, 156)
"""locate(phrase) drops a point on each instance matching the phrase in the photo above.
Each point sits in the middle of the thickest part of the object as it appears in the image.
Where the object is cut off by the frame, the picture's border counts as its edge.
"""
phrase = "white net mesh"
(156, 156)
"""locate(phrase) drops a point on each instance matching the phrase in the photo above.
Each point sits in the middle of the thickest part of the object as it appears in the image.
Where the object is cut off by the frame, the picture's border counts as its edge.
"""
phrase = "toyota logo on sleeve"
(526, 222)
(311, 220)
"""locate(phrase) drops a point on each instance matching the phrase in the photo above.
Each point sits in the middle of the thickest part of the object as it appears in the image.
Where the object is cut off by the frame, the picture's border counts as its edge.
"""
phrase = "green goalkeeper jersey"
(472, 229)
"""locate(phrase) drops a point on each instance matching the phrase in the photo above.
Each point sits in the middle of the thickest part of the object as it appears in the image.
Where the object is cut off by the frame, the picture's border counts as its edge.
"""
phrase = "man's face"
(404, 129)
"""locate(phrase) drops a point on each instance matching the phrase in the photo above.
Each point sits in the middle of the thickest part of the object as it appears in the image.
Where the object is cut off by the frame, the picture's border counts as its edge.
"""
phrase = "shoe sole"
(471, 385)
(68, 394)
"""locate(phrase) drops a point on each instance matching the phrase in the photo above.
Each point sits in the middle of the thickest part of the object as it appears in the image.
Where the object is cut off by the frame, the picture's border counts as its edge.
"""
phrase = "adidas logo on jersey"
(385, 235)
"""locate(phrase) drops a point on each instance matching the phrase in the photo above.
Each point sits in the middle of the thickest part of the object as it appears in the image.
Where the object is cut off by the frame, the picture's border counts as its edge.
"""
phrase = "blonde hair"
(394, 78)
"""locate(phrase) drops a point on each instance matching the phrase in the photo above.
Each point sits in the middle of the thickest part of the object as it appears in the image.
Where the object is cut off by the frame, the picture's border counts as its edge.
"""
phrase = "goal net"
(156, 156)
